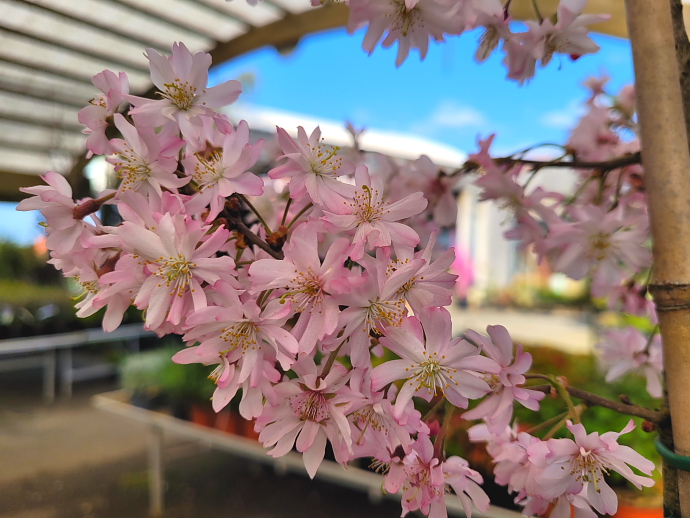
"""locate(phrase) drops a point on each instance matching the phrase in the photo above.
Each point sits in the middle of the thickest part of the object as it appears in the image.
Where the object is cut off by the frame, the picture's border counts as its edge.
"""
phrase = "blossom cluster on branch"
(315, 290)
(414, 23)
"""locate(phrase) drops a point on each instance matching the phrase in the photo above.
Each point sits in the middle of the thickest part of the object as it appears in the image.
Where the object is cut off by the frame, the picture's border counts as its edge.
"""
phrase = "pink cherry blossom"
(65, 225)
(497, 409)
(312, 287)
(432, 362)
(179, 259)
(412, 23)
(568, 35)
(226, 376)
(375, 430)
(374, 220)
(375, 306)
(425, 480)
(599, 241)
(430, 284)
(96, 116)
(145, 160)
(580, 465)
(225, 171)
(437, 187)
(308, 412)
(628, 350)
(313, 168)
(182, 79)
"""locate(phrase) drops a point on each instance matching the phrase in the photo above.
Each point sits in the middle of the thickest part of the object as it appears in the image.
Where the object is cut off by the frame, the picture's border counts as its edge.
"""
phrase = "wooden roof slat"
(38, 121)
(222, 12)
(56, 97)
(135, 25)
(55, 71)
(33, 148)
(257, 15)
(102, 25)
(166, 19)
(193, 16)
(83, 49)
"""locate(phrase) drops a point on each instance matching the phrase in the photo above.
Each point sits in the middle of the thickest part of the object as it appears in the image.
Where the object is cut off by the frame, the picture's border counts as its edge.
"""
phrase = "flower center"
(405, 19)
(176, 272)
(99, 100)
(305, 290)
(381, 314)
(310, 406)
(324, 161)
(600, 246)
(589, 468)
(209, 170)
(132, 170)
(180, 94)
(367, 205)
(240, 335)
(432, 374)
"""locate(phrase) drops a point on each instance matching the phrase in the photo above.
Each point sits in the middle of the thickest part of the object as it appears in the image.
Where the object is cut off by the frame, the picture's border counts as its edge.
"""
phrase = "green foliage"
(582, 372)
(154, 373)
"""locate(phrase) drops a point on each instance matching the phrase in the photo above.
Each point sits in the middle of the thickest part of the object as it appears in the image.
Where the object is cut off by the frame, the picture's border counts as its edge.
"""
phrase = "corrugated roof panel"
(127, 21)
(294, 6)
(62, 31)
(261, 14)
(41, 137)
(33, 163)
(47, 83)
(194, 16)
(19, 48)
(47, 113)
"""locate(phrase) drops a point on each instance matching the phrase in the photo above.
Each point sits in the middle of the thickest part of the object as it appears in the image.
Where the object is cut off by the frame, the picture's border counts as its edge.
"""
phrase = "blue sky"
(448, 97)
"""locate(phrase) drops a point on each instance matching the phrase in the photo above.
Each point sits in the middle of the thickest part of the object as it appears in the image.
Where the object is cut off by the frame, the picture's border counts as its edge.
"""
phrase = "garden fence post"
(667, 182)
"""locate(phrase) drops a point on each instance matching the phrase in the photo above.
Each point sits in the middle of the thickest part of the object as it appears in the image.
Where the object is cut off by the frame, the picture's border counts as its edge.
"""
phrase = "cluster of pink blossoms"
(600, 233)
(413, 23)
(299, 307)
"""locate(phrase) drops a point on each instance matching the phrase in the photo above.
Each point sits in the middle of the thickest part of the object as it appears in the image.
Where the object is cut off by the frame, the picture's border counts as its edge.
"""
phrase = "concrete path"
(562, 331)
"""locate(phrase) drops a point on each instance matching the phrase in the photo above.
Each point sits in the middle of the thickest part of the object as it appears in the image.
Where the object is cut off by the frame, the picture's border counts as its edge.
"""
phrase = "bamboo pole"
(667, 180)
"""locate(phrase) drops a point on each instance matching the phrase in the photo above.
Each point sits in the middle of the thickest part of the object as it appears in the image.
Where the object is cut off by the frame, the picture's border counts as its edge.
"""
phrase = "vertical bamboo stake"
(667, 181)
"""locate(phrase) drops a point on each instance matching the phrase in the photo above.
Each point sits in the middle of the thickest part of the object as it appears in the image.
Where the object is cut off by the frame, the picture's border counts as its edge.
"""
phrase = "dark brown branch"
(654, 416)
(239, 225)
(606, 165)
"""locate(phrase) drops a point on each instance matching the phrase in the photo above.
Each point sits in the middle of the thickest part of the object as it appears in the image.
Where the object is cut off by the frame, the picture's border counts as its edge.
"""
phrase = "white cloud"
(450, 115)
(565, 118)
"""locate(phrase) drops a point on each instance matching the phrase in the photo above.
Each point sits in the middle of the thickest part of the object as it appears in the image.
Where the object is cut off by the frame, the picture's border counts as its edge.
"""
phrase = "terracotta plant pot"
(203, 415)
(229, 422)
(631, 511)
(248, 429)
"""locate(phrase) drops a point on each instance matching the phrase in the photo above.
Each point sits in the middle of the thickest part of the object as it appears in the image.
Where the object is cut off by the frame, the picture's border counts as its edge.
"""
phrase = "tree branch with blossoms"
(352, 269)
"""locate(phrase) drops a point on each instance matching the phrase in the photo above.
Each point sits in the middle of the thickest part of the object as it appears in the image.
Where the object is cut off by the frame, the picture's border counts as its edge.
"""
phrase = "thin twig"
(299, 214)
(654, 416)
(252, 237)
(285, 213)
(605, 165)
(256, 212)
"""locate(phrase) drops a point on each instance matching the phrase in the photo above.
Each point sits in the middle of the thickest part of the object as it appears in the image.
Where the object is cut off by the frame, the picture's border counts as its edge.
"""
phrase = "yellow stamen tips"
(324, 161)
(176, 273)
(209, 169)
(181, 94)
(132, 169)
(240, 335)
